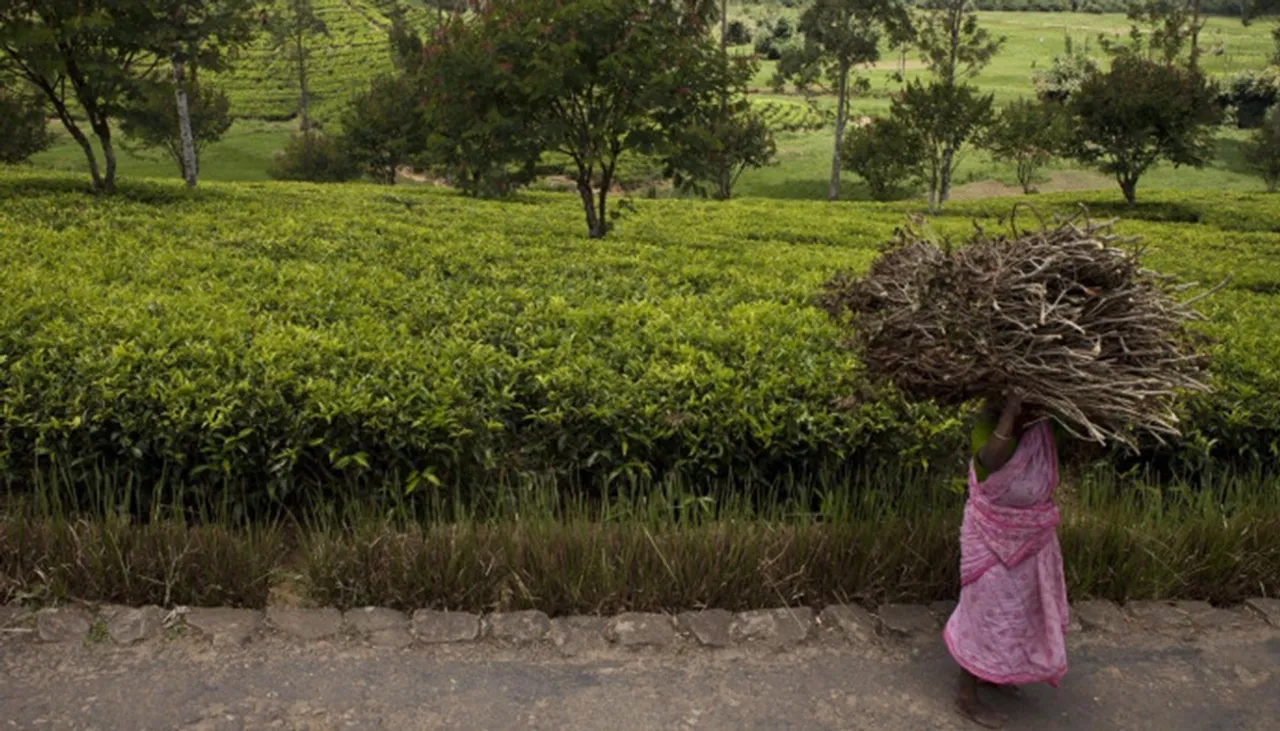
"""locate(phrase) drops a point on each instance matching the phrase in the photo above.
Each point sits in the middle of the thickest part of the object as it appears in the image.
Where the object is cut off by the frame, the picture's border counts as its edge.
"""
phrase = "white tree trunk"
(189, 164)
(842, 116)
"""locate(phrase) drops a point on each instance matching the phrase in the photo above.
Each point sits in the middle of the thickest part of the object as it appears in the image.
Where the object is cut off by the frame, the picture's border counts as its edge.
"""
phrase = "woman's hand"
(1000, 446)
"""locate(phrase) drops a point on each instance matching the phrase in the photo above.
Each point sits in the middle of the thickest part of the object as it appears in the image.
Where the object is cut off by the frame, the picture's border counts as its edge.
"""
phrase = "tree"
(884, 154)
(198, 34)
(383, 128)
(478, 115)
(951, 43)
(313, 157)
(1139, 113)
(1064, 77)
(85, 57)
(955, 48)
(713, 153)
(294, 29)
(839, 36)
(1263, 150)
(943, 118)
(1163, 30)
(23, 131)
(153, 119)
(1027, 134)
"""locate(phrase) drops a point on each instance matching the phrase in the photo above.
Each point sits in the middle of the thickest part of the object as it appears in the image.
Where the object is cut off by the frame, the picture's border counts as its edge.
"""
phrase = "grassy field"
(259, 87)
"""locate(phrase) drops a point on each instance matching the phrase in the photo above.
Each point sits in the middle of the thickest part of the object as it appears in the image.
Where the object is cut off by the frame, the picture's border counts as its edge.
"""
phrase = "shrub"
(1139, 113)
(1252, 93)
(738, 34)
(884, 154)
(383, 128)
(1027, 134)
(1263, 150)
(314, 157)
(23, 131)
(294, 340)
(152, 119)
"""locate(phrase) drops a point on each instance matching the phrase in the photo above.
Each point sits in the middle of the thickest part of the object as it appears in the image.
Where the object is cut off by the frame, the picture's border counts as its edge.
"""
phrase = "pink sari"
(1010, 624)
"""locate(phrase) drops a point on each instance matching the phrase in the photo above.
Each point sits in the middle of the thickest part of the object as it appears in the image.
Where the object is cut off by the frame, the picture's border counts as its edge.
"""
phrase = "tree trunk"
(102, 128)
(73, 129)
(602, 218)
(1129, 186)
(944, 175)
(842, 113)
(588, 202)
(724, 26)
(304, 103)
(190, 171)
(1194, 61)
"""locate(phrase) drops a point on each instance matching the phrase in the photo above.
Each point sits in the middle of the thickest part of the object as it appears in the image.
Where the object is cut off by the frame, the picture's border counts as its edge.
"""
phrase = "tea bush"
(292, 337)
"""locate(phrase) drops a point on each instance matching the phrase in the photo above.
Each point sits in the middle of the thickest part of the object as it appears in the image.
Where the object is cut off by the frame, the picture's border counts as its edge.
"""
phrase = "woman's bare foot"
(971, 706)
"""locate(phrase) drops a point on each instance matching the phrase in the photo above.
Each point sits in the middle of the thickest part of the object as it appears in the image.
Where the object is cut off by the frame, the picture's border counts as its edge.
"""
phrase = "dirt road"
(1135, 676)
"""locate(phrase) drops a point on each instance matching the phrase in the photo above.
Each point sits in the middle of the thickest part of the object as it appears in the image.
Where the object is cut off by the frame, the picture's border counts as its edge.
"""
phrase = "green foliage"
(384, 128)
(151, 119)
(23, 131)
(1139, 113)
(784, 115)
(723, 142)
(737, 33)
(951, 42)
(283, 338)
(590, 79)
(944, 118)
(294, 30)
(1252, 93)
(314, 157)
(1028, 134)
(885, 154)
(479, 135)
(1264, 150)
(1066, 75)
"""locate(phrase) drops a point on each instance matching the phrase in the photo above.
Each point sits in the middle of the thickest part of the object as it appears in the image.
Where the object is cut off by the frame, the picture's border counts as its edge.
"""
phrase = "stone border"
(713, 628)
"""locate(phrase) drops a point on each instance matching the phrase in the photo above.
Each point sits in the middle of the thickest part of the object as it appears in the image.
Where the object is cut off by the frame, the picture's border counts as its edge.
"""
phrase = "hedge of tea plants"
(284, 337)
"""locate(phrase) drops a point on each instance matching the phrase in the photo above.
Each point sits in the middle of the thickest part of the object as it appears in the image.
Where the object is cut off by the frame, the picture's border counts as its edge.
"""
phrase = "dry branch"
(1065, 315)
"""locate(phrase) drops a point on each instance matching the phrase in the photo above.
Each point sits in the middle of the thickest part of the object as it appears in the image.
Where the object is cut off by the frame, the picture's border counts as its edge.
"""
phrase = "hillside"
(262, 84)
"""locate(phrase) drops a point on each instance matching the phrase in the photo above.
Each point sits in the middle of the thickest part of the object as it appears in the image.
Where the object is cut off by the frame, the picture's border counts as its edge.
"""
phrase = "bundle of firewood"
(1065, 316)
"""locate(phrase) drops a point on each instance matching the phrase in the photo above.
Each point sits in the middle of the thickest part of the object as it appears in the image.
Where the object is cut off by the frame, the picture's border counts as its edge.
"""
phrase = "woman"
(1009, 626)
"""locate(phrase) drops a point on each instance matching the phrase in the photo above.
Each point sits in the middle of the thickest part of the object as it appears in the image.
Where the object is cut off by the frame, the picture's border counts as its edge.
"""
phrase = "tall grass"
(873, 536)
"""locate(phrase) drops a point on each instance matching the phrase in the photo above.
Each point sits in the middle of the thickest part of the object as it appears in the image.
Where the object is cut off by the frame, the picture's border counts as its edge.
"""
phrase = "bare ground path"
(1133, 677)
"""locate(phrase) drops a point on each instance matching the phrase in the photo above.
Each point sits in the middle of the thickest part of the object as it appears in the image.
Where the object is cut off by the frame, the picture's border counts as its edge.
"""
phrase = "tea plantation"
(282, 337)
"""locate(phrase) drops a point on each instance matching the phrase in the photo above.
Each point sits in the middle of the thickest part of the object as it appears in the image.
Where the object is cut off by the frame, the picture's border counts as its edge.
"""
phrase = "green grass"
(878, 537)
(259, 87)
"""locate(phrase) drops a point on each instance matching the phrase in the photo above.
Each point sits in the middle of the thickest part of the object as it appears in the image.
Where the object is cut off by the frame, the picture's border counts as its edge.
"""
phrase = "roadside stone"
(225, 627)
(129, 625)
(907, 620)
(574, 636)
(775, 627)
(853, 621)
(434, 627)
(1100, 615)
(1268, 609)
(710, 627)
(13, 616)
(518, 628)
(638, 629)
(63, 624)
(309, 625)
(1159, 617)
(368, 620)
(380, 626)
(1208, 618)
